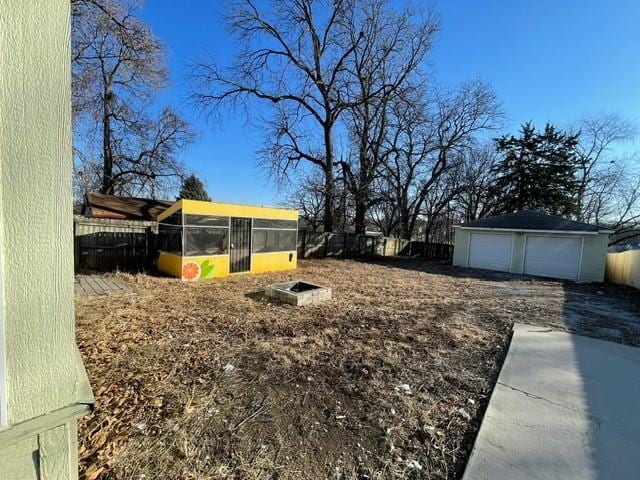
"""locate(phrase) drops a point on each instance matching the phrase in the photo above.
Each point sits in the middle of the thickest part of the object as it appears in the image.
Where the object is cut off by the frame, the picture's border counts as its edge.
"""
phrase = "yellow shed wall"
(213, 266)
(271, 262)
(170, 264)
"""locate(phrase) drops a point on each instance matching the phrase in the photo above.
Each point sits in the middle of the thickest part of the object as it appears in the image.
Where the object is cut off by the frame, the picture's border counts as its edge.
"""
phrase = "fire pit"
(298, 293)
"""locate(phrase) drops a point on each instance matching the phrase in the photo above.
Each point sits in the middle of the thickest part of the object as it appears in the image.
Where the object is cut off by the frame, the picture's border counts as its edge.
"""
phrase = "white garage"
(533, 243)
(491, 251)
(552, 256)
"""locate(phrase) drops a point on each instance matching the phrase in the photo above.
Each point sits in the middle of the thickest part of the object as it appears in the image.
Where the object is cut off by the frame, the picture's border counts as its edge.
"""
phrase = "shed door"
(491, 251)
(240, 245)
(555, 257)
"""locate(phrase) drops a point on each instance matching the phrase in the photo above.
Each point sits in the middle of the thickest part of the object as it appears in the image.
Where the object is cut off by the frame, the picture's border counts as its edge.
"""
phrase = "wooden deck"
(93, 285)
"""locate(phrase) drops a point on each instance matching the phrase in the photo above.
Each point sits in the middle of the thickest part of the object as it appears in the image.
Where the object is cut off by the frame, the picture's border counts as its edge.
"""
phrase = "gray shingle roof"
(530, 220)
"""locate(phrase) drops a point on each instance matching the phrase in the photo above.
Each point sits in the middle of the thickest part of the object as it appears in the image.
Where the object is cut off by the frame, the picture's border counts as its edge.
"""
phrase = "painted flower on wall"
(206, 270)
(194, 270)
(190, 271)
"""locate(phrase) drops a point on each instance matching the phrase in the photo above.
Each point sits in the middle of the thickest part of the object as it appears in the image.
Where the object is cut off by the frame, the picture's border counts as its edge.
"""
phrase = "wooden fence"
(311, 244)
(624, 268)
(104, 244)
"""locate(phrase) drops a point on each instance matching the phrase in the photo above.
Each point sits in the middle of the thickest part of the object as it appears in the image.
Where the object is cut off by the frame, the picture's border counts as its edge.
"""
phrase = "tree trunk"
(360, 215)
(329, 184)
(107, 153)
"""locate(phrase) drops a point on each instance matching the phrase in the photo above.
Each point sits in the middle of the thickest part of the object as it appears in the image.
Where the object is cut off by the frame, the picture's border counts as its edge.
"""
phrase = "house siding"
(594, 257)
(517, 257)
(460, 247)
(593, 253)
(46, 385)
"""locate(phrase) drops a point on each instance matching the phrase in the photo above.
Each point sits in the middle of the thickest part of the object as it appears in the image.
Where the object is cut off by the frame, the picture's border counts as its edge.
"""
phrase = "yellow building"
(201, 240)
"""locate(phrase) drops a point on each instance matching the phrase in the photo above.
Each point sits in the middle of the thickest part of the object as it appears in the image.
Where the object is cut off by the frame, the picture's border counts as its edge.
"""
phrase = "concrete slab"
(565, 407)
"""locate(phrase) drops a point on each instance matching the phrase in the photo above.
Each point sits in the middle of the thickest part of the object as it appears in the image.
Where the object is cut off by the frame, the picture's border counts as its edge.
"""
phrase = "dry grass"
(314, 392)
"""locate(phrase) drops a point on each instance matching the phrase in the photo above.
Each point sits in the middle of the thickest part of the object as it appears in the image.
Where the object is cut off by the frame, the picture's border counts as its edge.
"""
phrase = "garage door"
(490, 251)
(555, 257)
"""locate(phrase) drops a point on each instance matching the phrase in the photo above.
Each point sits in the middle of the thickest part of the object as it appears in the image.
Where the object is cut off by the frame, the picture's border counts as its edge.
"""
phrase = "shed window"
(265, 241)
(206, 220)
(174, 219)
(205, 241)
(279, 224)
(170, 239)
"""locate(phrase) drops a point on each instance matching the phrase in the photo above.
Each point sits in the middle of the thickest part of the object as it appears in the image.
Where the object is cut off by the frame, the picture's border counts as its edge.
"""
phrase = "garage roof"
(530, 220)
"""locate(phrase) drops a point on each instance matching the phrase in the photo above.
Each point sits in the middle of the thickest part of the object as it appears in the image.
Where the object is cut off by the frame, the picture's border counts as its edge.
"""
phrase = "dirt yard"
(387, 380)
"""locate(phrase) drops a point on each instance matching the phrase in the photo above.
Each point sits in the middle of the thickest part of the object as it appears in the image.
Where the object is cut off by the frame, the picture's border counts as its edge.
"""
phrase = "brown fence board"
(109, 244)
(314, 244)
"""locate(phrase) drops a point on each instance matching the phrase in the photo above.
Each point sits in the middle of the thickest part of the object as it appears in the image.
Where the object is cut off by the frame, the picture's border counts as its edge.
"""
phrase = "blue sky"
(546, 60)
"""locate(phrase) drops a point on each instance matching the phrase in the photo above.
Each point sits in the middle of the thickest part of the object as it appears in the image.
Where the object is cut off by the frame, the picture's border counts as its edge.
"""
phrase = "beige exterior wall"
(46, 386)
(460, 247)
(594, 257)
(517, 255)
(593, 252)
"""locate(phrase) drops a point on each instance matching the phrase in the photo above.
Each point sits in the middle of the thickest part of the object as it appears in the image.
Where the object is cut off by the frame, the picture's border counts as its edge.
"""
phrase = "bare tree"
(474, 199)
(308, 198)
(430, 140)
(118, 65)
(385, 63)
(292, 55)
(599, 135)
(627, 220)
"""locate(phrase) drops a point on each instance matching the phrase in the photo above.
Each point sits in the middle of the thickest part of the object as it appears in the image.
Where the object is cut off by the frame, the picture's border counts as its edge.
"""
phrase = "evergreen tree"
(193, 189)
(537, 171)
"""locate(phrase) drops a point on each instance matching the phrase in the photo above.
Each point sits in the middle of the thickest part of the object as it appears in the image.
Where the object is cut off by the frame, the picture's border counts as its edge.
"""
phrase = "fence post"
(326, 244)
(147, 253)
(344, 247)
(304, 244)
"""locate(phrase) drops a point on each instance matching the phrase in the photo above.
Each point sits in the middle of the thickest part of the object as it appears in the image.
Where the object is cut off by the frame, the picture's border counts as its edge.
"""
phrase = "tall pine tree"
(537, 172)
(193, 189)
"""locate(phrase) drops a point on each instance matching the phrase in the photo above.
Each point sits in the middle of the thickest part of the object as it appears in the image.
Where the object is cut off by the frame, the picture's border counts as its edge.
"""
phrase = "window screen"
(206, 220)
(265, 241)
(279, 224)
(170, 239)
(174, 219)
(205, 241)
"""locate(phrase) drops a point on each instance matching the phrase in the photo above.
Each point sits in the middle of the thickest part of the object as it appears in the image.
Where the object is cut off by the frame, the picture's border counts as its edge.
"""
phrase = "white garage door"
(555, 257)
(490, 251)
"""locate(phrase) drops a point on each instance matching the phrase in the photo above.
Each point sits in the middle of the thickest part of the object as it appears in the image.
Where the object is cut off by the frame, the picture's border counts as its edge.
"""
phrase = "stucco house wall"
(43, 385)
(593, 253)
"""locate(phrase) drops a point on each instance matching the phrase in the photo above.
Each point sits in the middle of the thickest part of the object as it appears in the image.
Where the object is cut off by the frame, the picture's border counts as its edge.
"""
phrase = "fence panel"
(312, 244)
(107, 244)
(624, 268)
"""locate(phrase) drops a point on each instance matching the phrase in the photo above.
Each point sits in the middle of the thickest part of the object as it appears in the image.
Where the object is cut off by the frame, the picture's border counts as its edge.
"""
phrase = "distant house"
(98, 205)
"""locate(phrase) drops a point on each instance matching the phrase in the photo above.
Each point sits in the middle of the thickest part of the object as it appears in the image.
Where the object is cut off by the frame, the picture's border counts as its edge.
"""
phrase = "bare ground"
(387, 380)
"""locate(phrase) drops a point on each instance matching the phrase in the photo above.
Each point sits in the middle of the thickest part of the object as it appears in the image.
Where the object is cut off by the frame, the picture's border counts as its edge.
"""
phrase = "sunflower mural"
(194, 270)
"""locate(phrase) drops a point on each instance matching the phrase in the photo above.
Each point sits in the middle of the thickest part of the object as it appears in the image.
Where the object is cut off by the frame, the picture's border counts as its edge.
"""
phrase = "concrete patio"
(565, 406)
